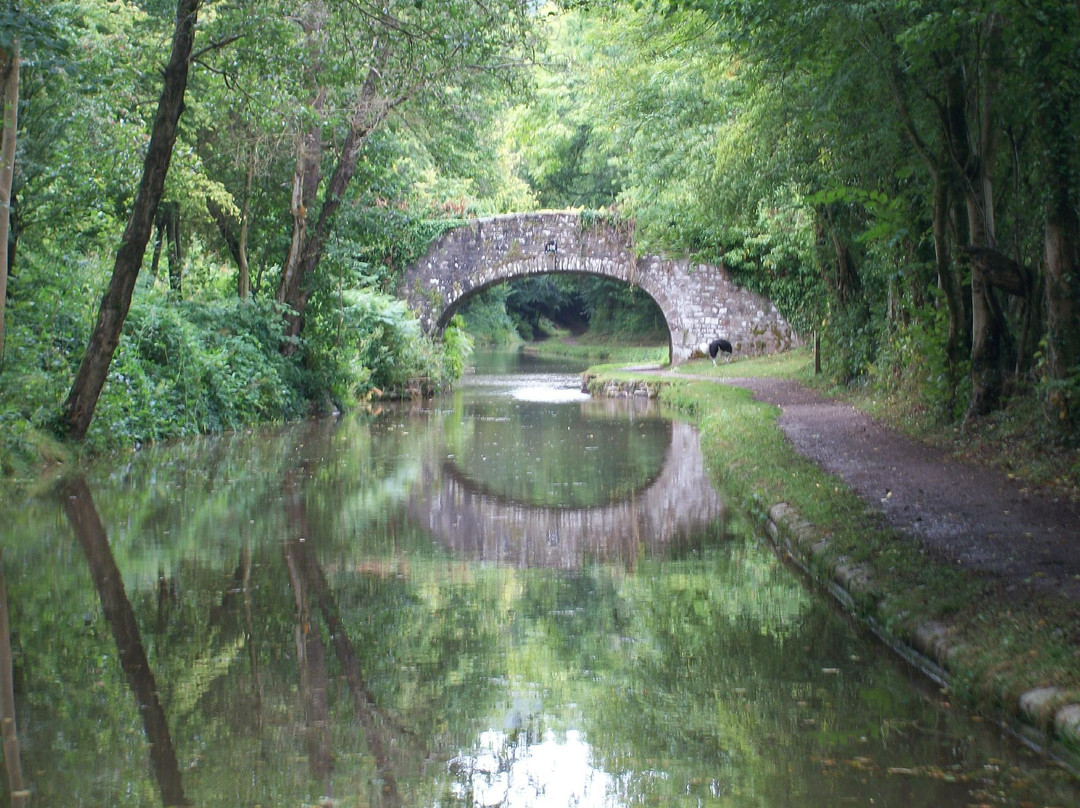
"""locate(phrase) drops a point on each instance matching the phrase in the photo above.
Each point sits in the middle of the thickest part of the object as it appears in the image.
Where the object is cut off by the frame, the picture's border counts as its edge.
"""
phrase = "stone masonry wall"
(699, 301)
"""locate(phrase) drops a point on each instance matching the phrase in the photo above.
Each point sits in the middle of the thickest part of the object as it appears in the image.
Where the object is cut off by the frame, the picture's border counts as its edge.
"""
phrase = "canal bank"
(967, 575)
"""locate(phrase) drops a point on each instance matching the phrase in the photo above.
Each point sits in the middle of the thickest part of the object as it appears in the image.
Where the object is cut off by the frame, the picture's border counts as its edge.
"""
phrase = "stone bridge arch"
(698, 301)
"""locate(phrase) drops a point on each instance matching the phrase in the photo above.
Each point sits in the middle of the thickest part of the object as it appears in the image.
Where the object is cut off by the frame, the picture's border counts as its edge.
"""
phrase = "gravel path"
(969, 515)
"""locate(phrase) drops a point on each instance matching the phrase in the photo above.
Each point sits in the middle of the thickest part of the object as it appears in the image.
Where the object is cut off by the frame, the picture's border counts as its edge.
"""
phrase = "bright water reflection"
(548, 773)
(501, 599)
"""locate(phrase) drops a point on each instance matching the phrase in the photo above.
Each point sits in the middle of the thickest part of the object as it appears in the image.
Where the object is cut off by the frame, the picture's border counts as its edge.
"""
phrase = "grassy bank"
(1001, 644)
(599, 350)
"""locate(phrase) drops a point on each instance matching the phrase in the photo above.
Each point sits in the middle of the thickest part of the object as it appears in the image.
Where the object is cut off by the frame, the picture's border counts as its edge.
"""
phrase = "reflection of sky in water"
(535, 379)
(542, 387)
(527, 381)
(549, 395)
(536, 775)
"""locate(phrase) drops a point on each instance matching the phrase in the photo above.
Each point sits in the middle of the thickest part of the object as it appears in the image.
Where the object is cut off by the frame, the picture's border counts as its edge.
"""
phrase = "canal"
(511, 596)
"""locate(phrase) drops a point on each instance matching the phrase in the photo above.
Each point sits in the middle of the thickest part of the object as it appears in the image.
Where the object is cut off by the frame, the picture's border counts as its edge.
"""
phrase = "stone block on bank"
(1039, 705)
(1067, 724)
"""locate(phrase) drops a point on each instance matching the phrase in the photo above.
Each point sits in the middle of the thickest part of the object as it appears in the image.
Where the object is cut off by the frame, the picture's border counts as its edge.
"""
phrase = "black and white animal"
(715, 347)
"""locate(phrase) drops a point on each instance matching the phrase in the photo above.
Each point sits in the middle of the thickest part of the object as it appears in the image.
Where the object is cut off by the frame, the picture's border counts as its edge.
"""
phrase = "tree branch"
(216, 45)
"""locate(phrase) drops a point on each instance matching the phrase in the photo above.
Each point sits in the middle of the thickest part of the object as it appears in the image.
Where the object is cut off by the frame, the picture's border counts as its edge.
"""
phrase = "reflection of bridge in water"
(488, 527)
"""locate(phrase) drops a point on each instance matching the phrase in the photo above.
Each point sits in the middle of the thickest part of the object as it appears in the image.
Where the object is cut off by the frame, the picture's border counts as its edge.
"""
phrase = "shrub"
(190, 368)
(370, 345)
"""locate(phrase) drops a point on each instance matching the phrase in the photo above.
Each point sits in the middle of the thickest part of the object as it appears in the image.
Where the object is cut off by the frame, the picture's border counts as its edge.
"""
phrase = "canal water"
(511, 596)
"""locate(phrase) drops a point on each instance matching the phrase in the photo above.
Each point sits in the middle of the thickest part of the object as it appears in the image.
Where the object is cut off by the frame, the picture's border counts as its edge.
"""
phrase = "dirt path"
(968, 515)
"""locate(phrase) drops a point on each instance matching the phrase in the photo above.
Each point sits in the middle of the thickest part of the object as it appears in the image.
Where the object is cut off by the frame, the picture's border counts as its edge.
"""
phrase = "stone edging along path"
(971, 517)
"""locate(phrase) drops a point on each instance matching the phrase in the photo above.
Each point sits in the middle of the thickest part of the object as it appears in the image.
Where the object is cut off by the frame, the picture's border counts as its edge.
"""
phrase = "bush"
(913, 365)
(369, 345)
(191, 368)
(851, 336)
(484, 315)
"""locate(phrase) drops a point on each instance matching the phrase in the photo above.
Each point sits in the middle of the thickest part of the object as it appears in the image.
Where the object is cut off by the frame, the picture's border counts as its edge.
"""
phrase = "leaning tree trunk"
(307, 173)
(86, 523)
(305, 187)
(78, 410)
(234, 240)
(949, 280)
(300, 290)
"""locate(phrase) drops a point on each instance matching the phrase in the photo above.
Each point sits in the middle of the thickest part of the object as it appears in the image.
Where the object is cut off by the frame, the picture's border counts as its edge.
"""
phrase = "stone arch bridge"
(699, 301)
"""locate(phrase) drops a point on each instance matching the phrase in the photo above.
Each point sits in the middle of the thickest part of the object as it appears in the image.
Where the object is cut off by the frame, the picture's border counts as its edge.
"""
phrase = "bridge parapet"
(699, 301)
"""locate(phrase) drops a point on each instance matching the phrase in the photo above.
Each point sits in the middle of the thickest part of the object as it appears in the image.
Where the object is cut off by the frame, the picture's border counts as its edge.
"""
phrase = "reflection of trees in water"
(239, 590)
(406, 656)
(12, 765)
(311, 661)
(84, 519)
(386, 739)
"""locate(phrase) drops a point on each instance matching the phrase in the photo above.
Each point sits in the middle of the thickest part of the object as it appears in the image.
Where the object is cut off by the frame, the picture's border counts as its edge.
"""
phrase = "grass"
(598, 350)
(1004, 644)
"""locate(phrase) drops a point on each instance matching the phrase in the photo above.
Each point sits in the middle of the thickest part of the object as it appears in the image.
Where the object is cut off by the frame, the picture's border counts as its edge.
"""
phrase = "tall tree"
(9, 101)
(78, 409)
(1053, 31)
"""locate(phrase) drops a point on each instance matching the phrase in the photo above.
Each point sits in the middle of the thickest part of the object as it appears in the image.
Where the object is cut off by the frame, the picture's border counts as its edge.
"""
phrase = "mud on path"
(970, 516)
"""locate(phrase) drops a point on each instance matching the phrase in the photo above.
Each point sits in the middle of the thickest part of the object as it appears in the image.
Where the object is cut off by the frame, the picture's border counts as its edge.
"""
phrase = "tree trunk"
(243, 271)
(1063, 315)
(986, 339)
(236, 241)
(78, 410)
(369, 110)
(171, 217)
(949, 280)
(9, 100)
(307, 173)
(225, 227)
(844, 281)
(973, 164)
(300, 290)
(305, 188)
(155, 261)
(1058, 123)
(243, 274)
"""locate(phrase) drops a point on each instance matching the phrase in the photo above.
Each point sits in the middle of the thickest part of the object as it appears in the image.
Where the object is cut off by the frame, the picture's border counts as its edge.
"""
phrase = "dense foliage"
(902, 178)
(286, 150)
